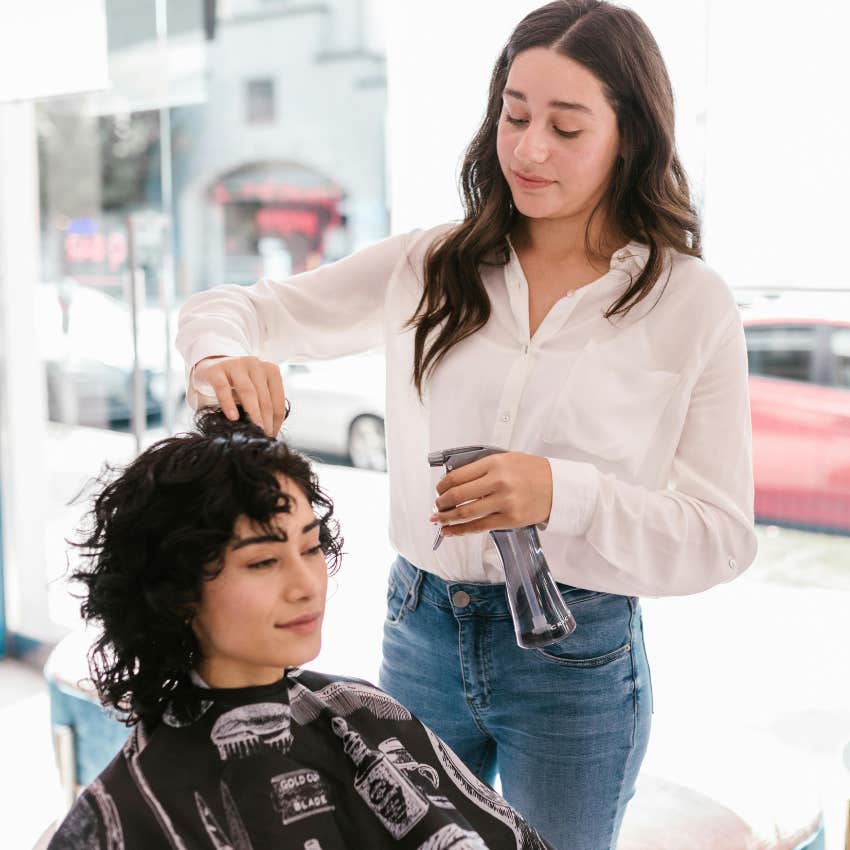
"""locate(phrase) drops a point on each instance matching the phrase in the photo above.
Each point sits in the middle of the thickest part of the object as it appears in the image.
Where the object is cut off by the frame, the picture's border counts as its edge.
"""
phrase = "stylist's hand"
(253, 383)
(502, 491)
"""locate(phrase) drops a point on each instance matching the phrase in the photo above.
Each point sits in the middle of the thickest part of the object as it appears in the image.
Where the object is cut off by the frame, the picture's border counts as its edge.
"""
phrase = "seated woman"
(208, 560)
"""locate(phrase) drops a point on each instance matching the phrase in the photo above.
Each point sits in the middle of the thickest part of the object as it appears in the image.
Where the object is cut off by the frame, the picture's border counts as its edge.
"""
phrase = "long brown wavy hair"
(648, 199)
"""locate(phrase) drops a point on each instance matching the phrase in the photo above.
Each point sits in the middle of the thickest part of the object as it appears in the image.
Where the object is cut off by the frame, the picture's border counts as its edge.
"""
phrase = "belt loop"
(416, 584)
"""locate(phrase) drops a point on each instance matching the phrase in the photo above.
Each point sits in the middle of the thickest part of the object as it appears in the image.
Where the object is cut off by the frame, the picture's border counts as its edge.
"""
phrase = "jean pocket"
(559, 653)
(602, 635)
(397, 596)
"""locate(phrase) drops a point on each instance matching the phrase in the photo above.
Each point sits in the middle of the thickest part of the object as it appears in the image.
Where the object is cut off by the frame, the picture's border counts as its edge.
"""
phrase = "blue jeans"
(565, 727)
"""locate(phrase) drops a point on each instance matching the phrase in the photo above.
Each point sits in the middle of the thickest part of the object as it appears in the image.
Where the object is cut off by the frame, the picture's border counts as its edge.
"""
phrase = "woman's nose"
(304, 580)
(531, 146)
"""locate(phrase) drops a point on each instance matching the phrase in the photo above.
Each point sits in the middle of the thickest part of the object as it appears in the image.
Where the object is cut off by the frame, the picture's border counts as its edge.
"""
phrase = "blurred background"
(150, 149)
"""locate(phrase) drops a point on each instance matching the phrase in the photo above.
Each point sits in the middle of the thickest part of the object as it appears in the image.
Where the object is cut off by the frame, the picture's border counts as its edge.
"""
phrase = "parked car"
(85, 343)
(798, 347)
(338, 408)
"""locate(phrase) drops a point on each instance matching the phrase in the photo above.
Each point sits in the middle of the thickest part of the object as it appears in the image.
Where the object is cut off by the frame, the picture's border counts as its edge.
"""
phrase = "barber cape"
(307, 763)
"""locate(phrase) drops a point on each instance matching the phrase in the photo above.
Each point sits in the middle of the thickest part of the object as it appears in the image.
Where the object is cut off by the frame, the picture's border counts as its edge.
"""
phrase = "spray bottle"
(539, 613)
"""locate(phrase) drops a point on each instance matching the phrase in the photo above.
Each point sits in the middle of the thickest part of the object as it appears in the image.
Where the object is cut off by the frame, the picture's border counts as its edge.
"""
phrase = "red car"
(798, 347)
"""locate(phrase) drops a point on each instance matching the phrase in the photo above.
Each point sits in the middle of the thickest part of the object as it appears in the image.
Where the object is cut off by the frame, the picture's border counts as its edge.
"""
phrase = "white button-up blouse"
(644, 419)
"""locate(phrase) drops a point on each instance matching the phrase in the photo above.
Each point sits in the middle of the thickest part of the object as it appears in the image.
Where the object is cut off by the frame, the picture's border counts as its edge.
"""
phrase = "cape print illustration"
(390, 789)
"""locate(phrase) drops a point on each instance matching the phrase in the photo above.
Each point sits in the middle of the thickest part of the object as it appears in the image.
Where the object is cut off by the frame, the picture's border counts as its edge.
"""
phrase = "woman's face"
(263, 612)
(558, 129)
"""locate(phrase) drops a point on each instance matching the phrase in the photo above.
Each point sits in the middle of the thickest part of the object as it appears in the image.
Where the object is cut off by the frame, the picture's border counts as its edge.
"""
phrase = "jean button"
(461, 598)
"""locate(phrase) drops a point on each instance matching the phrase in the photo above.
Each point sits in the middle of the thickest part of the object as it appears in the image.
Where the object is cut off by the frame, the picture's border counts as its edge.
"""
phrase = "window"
(839, 351)
(259, 101)
(782, 351)
(122, 240)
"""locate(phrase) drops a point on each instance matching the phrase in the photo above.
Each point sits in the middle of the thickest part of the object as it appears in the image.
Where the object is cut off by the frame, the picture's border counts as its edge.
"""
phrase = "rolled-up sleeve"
(332, 311)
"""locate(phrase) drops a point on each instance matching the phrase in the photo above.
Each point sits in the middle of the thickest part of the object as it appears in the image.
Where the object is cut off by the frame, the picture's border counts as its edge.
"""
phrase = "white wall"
(23, 406)
(44, 61)
(778, 172)
(439, 58)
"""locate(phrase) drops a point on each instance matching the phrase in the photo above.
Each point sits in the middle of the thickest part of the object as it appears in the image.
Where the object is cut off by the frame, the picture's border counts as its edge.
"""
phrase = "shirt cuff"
(200, 393)
(575, 493)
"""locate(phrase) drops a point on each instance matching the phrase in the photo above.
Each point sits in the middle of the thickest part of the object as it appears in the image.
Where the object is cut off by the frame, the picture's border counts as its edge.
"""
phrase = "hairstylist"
(570, 319)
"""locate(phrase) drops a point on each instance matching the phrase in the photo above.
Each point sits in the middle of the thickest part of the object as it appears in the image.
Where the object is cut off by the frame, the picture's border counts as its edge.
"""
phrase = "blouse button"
(506, 417)
(733, 564)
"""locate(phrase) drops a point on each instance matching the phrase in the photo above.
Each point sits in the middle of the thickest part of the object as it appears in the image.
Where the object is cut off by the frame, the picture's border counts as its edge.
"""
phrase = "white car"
(85, 342)
(338, 408)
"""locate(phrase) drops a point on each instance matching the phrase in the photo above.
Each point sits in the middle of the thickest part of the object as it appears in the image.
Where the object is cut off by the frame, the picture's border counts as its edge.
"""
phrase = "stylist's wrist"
(196, 369)
(548, 490)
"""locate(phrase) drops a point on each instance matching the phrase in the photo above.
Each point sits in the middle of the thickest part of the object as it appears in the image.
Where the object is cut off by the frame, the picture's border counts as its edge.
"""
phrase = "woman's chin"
(531, 208)
(305, 654)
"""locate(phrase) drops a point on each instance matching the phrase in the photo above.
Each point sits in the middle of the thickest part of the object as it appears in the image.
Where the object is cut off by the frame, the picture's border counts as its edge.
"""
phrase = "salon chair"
(665, 815)
(85, 736)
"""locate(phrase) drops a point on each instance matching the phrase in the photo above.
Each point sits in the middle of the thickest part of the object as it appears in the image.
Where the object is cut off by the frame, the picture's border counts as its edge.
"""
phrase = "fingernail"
(232, 414)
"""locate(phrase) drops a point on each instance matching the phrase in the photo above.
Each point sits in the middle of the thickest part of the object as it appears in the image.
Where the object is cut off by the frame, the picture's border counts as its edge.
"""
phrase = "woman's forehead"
(298, 514)
(543, 75)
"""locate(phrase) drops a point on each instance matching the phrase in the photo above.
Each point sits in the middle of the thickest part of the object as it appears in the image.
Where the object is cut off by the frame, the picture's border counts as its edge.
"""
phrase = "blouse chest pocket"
(610, 405)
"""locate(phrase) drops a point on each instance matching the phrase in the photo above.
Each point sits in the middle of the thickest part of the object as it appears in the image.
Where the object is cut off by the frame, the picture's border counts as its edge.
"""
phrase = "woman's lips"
(303, 625)
(531, 183)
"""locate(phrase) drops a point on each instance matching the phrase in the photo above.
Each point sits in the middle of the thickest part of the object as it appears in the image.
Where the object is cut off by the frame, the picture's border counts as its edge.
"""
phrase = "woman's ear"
(187, 614)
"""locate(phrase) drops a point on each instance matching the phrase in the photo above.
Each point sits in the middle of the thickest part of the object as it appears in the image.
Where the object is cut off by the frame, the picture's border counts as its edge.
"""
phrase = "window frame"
(818, 369)
(254, 120)
(830, 359)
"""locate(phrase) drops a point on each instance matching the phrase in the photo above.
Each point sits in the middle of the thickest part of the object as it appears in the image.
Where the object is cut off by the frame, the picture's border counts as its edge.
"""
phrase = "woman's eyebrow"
(262, 538)
(272, 538)
(555, 104)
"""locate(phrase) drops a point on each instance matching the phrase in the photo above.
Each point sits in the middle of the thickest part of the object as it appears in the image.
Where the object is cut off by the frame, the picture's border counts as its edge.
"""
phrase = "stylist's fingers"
(464, 474)
(219, 380)
(491, 522)
(254, 384)
(260, 380)
(243, 384)
(461, 493)
(278, 396)
(474, 510)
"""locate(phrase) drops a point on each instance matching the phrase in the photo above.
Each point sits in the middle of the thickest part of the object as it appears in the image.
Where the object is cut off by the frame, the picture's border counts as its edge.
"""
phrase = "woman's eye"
(261, 565)
(316, 550)
(566, 134)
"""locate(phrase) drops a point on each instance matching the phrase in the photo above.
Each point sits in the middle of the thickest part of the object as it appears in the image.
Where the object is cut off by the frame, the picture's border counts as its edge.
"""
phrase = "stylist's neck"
(563, 240)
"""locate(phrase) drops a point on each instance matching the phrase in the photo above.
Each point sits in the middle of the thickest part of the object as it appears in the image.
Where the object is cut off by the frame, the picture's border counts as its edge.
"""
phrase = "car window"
(839, 346)
(781, 351)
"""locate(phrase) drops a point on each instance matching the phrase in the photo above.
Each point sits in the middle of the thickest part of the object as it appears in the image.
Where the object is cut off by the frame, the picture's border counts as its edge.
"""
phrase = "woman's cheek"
(504, 149)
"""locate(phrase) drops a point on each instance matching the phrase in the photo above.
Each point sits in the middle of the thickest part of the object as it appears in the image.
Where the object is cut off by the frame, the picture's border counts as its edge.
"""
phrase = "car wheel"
(367, 445)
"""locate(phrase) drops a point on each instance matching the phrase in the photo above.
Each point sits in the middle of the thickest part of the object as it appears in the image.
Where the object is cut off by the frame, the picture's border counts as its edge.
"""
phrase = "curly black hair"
(157, 529)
